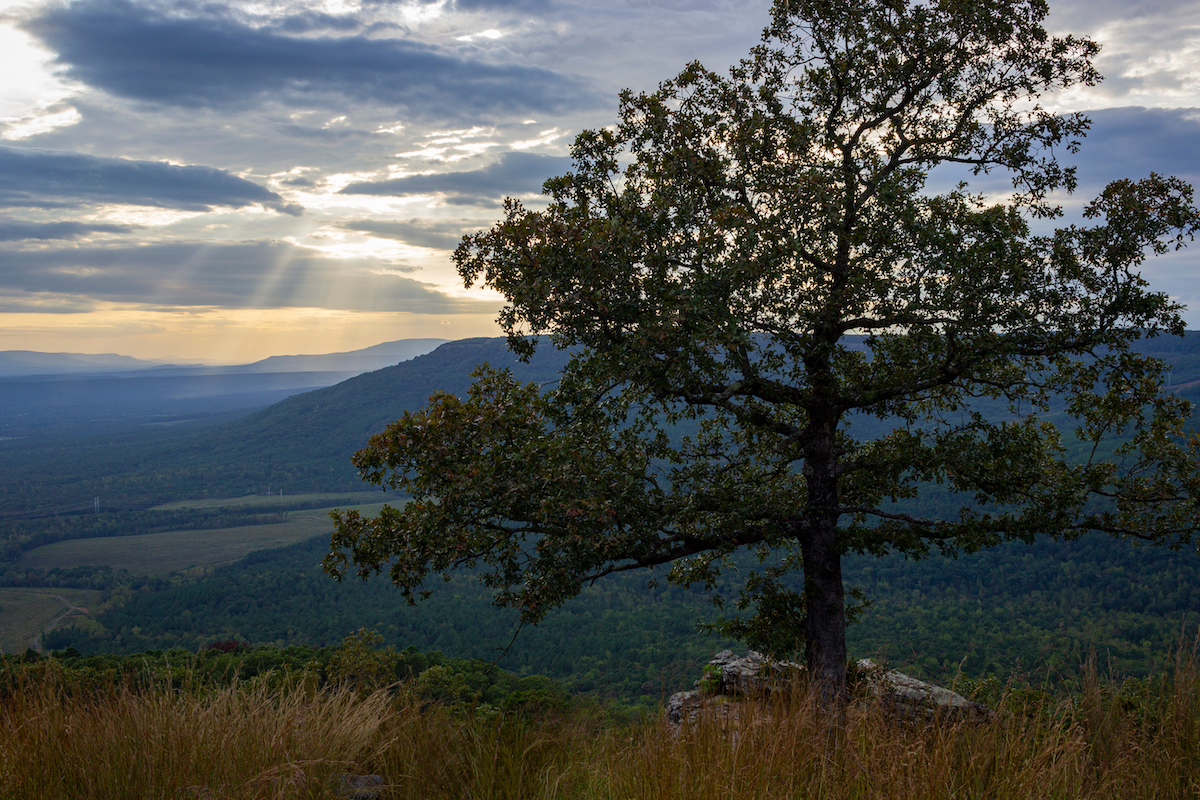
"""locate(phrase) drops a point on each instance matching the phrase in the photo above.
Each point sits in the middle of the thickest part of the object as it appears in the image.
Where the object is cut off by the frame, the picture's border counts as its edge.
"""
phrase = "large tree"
(782, 338)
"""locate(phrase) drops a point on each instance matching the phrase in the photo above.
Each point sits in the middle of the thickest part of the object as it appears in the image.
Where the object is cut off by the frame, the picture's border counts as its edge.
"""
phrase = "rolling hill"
(302, 443)
(56, 393)
(1011, 608)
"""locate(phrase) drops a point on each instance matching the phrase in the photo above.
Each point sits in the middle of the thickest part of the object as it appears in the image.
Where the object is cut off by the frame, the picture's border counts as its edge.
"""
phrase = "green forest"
(1030, 613)
(1022, 612)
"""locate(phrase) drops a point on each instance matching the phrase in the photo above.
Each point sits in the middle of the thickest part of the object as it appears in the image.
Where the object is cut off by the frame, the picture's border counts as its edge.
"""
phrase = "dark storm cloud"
(42, 304)
(254, 274)
(502, 5)
(310, 21)
(17, 231)
(436, 233)
(1133, 142)
(218, 62)
(478, 5)
(1122, 143)
(514, 174)
(41, 178)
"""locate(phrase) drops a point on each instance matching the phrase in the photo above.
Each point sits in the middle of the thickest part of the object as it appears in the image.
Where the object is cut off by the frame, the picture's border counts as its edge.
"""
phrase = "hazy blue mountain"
(302, 443)
(34, 406)
(50, 366)
(121, 391)
(14, 363)
(356, 361)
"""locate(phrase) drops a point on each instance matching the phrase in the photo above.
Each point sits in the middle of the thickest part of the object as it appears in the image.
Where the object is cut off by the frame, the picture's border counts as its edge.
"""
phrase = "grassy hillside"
(176, 727)
(25, 613)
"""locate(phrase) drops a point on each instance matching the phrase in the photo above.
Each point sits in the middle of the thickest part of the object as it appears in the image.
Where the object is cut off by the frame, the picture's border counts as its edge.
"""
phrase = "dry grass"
(57, 741)
(240, 742)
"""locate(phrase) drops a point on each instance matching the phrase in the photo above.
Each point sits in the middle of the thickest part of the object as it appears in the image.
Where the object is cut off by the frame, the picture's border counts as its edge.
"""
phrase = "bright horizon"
(208, 362)
(169, 192)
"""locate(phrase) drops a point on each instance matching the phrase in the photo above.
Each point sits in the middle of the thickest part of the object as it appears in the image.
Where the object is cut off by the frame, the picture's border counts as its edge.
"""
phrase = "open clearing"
(24, 613)
(160, 553)
(354, 499)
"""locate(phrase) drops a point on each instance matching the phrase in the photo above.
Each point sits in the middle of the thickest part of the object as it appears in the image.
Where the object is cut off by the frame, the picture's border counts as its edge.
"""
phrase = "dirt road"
(71, 609)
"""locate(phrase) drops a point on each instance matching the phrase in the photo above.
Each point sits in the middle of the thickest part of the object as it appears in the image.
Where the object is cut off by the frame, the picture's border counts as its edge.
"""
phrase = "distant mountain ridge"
(305, 442)
(119, 391)
(365, 360)
(14, 363)
(30, 363)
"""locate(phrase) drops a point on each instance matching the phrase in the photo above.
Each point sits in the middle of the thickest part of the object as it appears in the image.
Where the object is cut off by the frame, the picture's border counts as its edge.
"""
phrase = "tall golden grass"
(281, 739)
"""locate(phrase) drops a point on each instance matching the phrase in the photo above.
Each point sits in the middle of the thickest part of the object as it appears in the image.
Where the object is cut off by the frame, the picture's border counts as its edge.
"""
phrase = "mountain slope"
(301, 444)
(29, 362)
(115, 391)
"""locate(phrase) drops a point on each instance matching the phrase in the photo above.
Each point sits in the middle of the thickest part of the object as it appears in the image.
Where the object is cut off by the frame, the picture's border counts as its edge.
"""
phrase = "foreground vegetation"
(89, 732)
(1030, 611)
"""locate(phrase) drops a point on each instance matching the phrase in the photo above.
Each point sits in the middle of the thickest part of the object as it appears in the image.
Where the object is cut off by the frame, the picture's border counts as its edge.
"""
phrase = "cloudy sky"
(226, 180)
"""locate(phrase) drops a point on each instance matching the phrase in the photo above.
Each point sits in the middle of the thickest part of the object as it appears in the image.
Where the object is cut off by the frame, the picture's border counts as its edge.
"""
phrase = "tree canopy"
(782, 336)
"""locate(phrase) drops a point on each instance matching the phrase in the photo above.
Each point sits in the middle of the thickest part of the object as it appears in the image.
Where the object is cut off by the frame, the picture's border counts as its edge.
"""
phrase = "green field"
(160, 553)
(24, 613)
(354, 498)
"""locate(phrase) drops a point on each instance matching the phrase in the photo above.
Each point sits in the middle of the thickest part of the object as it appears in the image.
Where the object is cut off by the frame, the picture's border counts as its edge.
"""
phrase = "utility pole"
(97, 502)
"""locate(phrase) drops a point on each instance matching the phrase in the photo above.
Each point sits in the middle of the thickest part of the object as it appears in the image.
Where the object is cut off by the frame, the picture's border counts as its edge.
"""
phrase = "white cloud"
(543, 138)
(432, 102)
(38, 123)
(491, 33)
(29, 83)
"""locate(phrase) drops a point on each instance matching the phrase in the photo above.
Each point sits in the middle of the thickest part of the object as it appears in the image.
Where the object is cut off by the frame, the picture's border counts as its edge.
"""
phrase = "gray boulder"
(909, 698)
(752, 673)
(684, 705)
(758, 676)
(730, 675)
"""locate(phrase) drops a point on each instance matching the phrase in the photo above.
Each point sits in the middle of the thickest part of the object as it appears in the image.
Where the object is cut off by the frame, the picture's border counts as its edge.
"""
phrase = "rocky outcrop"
(685, 705)
(730, 675)
(907, 697)
(754, 675)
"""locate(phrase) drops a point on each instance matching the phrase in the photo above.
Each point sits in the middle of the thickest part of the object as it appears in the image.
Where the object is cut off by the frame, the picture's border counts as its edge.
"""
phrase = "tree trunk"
(824, 599)
(824, 596)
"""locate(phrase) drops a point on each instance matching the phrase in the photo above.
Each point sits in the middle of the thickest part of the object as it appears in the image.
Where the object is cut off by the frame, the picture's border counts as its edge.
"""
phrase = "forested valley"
(1021, 612)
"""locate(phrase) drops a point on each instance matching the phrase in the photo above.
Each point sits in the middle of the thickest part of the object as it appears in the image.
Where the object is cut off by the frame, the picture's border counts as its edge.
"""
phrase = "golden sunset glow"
(229, 336)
